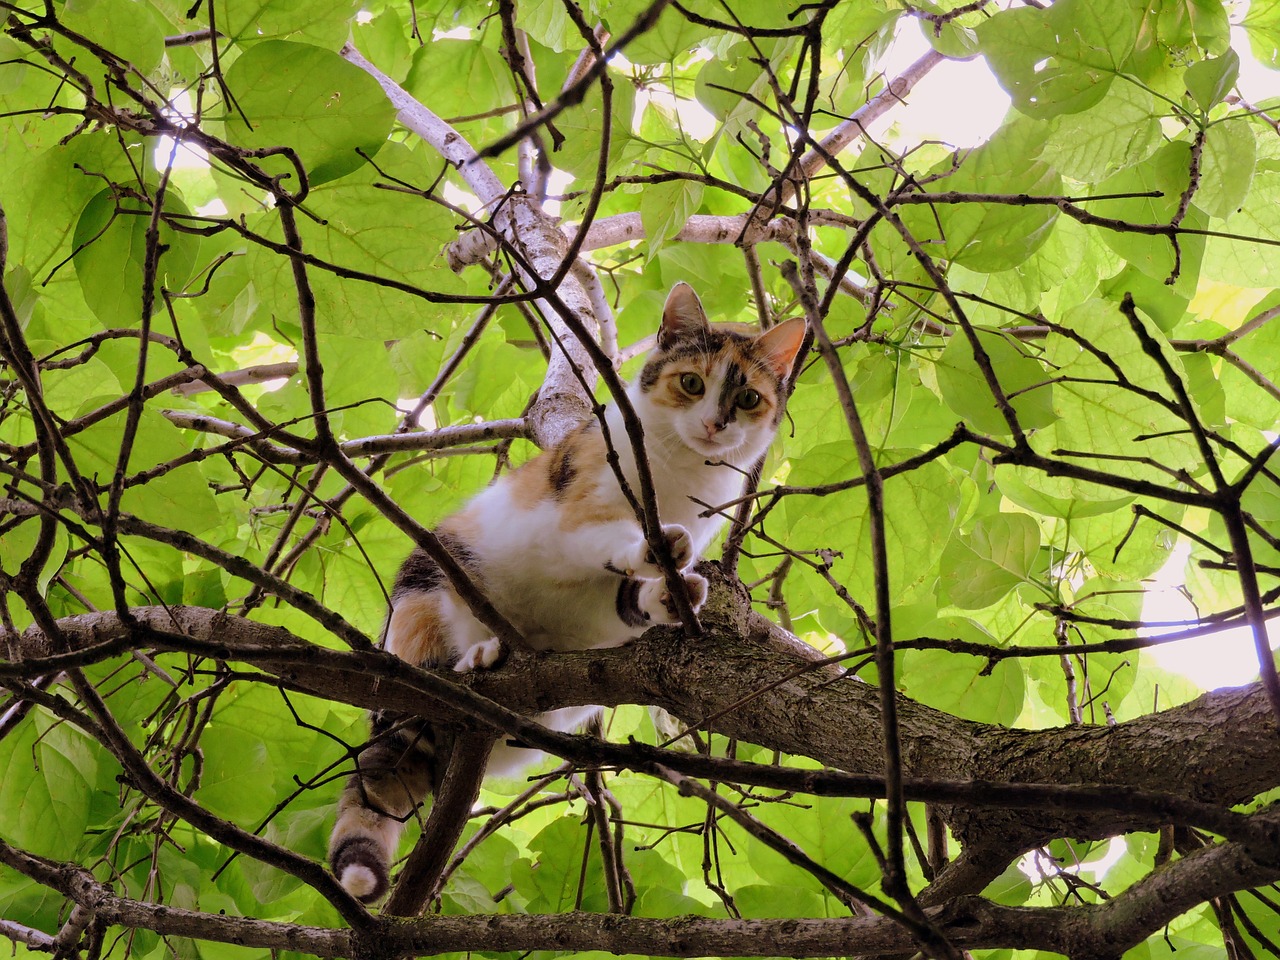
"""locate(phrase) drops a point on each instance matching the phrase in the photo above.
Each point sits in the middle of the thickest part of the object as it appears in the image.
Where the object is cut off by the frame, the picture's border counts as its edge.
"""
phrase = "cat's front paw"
(639, 560)
(680, 543)
(481, 656)
(657, 604)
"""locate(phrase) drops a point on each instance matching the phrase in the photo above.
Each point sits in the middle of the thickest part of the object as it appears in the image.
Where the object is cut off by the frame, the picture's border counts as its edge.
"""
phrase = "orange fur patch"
(414, 633)
(528, 482)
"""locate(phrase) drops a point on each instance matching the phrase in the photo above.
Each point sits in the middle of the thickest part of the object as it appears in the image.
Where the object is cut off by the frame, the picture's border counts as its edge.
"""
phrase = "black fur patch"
(562, 472)
(420, 574)
(651, 373)
(362, 852)
(727, 402)
(628, 603)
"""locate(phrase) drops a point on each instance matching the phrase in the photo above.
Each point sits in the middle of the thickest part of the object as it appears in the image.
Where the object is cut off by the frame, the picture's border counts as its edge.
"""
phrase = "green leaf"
(551, 883)
(664, 208)
(46, 809)
(179, 499)
(1122, 550)
(776, 900)
(416, 360)
(921, 509)
(251, 21)
(981, 568)
(1123, 129)
(360, 386)
(311, 100)
(723, 80)
(989, 237)
(670, 39)
(12, 71)
(966, 391)
(1262, 24)
(957, 683)
(111, 250)
(131, 29)
(1165, 175)
(453, 76)
(825, 832)
(549, 25)
(1209, 81)
(1012, 888)
(74, 389)
(582, 126)
(1061, 59)
(1210, 24)
(379, 234)
(1226, 167)
(1242, 261)
(1096, 413)
(1056, 496)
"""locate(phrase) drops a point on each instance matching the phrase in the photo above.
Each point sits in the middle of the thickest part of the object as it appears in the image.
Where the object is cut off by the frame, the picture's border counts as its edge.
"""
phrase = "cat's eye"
(748, 399)
(692, 384)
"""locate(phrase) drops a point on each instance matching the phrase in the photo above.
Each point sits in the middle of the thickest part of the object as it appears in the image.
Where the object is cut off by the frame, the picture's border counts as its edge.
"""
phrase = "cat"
(557, 549)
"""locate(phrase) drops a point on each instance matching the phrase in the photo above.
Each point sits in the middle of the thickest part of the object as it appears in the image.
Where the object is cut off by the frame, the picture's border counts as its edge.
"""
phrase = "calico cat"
(557, 549)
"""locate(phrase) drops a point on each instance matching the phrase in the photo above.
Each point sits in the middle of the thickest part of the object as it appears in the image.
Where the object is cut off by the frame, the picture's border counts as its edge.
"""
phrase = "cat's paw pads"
(660, 607)
(482, 656)
(680, 542)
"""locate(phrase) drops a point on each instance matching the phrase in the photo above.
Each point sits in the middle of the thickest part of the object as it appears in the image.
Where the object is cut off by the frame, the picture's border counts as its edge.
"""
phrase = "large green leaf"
(1243, 260)
(1227, 167)
(381, 235)
(1121, 130)
(178, 498)
(1262, 23)
(989, 237)
(1107, 422)
(311, 100)
(552, 882)
(1156, 187)
(46, 810)
(984, 566)
(251, 21)
(456, 75)
(130, 29)
(111, 251)
(825, 831)
(1023, 380)
(921, 509)
(959, 683)
(1061, 59)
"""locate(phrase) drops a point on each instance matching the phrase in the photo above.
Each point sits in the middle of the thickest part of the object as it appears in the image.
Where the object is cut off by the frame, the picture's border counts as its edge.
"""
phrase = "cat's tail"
(395, 772)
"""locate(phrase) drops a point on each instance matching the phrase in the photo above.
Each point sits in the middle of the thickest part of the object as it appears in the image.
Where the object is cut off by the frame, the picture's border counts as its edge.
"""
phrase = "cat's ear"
(682, 316)
(780, 344)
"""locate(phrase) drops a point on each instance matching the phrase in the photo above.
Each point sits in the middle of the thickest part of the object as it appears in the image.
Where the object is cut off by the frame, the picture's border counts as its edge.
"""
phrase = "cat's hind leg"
(473, 646)
(434, 627)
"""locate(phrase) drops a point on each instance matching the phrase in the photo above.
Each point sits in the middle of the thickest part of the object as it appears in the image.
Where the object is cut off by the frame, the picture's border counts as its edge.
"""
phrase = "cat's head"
(718, 390)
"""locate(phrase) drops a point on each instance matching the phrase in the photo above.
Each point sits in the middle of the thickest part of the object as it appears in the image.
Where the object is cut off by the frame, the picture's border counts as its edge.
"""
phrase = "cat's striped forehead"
(715, 351)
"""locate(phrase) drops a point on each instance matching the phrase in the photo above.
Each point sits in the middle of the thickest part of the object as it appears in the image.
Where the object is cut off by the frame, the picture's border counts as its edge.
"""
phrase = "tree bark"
(750, 680)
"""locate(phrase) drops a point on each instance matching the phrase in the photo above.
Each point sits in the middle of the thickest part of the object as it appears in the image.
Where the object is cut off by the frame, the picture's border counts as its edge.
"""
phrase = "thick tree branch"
(765, 687)
(970, 922)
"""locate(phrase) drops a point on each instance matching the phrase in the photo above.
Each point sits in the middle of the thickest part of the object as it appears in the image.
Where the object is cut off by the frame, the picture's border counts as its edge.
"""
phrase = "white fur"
(555, 583)
(358, 880)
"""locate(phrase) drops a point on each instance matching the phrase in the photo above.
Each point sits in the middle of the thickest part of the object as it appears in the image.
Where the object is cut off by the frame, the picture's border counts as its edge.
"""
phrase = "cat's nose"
(712, 427)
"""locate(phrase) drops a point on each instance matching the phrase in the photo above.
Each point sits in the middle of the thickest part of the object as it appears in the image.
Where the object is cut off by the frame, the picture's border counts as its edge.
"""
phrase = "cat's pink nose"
(711, 427)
